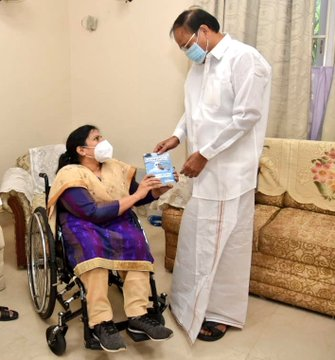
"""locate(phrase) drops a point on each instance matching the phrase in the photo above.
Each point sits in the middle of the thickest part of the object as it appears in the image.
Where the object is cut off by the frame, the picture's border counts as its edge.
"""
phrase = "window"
(324, 33)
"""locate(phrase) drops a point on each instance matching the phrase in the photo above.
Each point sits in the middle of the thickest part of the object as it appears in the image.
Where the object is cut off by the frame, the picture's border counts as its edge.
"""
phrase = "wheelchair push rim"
(41, 264)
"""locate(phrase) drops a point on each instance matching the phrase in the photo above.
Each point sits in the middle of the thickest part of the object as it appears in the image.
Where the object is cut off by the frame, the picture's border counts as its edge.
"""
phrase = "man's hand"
(194, 165)
(166, 145)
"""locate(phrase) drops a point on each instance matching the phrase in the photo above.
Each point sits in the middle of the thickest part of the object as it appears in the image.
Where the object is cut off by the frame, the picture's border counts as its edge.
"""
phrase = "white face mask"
(102, 151)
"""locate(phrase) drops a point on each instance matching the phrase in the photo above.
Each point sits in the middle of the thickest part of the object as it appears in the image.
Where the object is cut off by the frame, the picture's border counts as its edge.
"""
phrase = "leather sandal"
(211, 327)
(6, 314)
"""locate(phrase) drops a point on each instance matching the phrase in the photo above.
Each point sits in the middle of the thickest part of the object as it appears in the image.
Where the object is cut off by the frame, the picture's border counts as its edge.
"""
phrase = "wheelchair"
(52, 280)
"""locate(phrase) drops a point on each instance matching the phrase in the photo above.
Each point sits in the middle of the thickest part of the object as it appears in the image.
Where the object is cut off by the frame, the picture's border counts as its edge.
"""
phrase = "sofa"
(293, 255)
(22, 190)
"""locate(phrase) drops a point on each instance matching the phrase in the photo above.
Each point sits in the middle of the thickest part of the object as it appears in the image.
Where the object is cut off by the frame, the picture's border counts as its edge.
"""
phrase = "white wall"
(128, 75)
(35, 76)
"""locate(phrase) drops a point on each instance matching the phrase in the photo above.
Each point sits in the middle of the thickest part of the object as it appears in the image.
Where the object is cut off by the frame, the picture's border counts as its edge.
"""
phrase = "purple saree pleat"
(96, 231)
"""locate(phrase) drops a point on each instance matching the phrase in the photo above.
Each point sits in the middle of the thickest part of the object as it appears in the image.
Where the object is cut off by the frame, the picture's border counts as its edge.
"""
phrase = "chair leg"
(20, 231)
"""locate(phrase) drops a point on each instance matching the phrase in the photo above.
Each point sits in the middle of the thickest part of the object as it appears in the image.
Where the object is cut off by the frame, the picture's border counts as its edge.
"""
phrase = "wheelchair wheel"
(56, 339)
(41, 264)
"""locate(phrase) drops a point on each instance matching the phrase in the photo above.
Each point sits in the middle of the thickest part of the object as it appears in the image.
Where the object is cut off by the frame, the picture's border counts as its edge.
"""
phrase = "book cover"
(159, 165)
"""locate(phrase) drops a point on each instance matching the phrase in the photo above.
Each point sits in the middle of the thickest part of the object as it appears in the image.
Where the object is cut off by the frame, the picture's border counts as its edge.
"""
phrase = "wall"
(35, 76)
(128, 75)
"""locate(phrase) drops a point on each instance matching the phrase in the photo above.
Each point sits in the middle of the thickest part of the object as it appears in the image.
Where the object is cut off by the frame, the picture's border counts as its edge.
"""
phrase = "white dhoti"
(212, 267)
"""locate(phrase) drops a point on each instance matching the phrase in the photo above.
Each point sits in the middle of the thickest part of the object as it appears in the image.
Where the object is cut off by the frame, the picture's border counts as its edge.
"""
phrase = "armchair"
(22, 190)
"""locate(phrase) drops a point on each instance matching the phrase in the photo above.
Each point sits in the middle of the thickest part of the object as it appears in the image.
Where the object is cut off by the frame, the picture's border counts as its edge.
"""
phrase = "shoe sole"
(106, 349)
(134, 331)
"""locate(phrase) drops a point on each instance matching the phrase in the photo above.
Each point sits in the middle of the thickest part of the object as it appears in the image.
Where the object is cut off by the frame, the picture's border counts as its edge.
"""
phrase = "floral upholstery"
(302, 236)
(293, 258)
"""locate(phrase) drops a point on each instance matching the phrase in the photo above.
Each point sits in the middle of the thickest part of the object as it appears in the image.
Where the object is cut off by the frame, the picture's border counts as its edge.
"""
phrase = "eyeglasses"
(184, 47)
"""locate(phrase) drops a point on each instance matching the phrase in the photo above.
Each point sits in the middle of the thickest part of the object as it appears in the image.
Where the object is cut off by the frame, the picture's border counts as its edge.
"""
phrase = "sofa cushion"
(302, 236)
(263, 214)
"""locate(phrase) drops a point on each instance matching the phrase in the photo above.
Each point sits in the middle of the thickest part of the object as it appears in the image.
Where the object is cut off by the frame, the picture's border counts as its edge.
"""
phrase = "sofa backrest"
(298, 173)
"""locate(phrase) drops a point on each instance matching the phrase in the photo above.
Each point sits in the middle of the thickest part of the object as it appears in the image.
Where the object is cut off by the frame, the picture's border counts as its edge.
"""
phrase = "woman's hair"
(76, 138)
(193, 19)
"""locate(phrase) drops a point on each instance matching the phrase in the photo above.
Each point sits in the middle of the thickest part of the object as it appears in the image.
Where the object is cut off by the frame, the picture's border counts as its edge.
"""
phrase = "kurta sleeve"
(249, 79)
(80, 203)
(180, 131)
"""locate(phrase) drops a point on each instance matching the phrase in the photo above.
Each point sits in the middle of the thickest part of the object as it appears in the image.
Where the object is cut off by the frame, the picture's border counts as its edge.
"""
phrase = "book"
(159, 165)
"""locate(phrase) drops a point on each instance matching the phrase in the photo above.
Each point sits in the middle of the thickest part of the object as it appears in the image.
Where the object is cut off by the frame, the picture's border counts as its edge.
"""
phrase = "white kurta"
(226, 108)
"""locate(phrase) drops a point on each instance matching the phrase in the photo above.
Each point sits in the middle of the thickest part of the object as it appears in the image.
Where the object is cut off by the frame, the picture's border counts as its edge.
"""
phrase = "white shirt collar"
(221, 46)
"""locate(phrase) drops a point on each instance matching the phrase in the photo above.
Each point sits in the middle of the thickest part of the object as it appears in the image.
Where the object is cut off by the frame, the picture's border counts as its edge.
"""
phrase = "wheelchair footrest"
(90, 341)
(137, 337)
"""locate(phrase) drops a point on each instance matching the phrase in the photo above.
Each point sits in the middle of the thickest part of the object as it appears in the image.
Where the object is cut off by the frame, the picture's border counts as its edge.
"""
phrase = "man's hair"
(193, 19)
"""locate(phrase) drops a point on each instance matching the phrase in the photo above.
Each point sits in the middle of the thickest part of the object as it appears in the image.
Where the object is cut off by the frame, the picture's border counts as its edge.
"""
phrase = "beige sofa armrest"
(19, 180)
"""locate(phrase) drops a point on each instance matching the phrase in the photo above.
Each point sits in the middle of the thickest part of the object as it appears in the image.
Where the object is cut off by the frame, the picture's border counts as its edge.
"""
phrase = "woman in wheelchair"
(92, 195)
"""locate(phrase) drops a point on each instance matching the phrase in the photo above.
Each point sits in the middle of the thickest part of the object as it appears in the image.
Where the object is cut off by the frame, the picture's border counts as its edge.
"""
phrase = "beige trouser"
(136, 291)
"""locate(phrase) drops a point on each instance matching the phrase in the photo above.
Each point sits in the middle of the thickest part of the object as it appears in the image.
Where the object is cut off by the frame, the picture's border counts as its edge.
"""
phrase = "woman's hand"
(156, 193)
(148, 183)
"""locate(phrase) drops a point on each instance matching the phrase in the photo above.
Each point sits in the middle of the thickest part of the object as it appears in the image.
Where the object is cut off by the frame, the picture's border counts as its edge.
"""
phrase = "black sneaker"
(151, 327)
(108, 336)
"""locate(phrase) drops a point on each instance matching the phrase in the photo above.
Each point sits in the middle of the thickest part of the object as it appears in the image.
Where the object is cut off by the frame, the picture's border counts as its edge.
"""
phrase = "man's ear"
(205, 29)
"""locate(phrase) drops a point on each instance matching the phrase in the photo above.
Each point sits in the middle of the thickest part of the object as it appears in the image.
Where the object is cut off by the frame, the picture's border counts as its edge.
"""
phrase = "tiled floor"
(273, 331)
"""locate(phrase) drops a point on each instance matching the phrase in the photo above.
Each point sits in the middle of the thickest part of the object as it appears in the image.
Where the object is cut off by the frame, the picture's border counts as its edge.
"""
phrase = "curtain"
(321, 82)
(214, 7)
(328, 131)
(282, 31)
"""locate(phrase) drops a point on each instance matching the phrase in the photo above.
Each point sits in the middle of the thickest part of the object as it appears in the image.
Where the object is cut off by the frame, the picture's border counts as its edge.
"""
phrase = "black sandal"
(215, 333)
(7, 315)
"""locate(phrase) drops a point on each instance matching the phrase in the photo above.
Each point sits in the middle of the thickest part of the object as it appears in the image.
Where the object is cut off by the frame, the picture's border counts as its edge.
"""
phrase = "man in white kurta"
(227, 98)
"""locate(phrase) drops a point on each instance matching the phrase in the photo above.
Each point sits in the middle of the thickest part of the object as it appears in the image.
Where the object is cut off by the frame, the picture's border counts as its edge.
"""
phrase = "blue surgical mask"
(196, 53)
